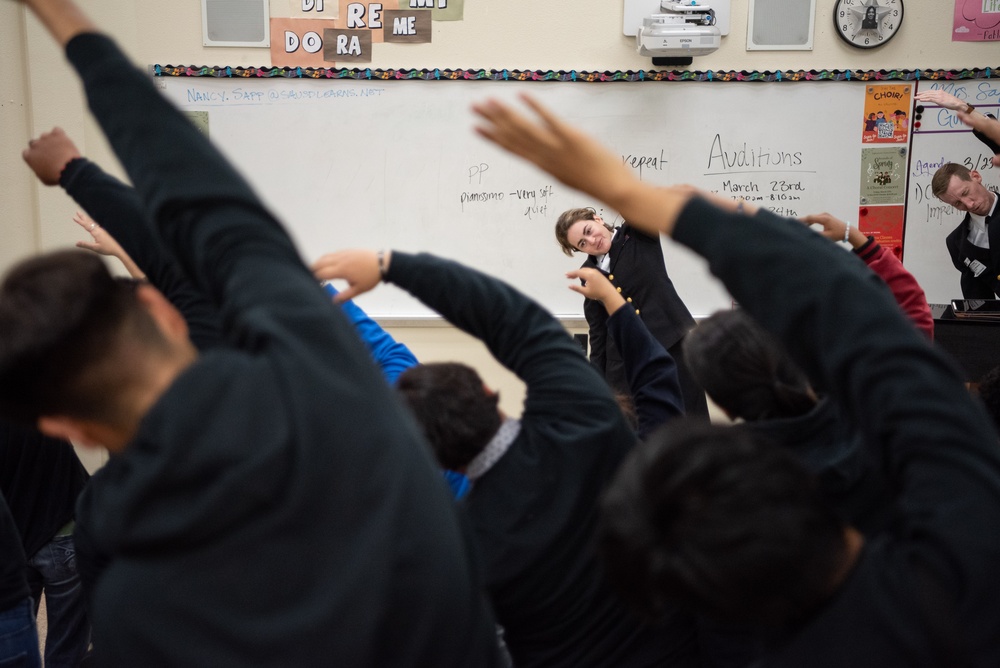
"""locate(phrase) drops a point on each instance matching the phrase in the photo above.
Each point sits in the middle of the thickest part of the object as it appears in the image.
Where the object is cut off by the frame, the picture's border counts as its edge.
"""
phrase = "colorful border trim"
(573, 75)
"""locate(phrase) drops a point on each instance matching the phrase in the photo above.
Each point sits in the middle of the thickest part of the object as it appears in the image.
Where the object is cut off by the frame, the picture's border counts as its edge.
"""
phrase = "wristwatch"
(969, 108)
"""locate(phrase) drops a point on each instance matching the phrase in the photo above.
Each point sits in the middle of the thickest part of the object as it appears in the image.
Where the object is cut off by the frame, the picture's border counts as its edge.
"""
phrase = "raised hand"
(835, 229)
(571, 156)
(941, 99)
(49, 154)
(595, 285)
(564, 151)
(105, 244)
(362, 269)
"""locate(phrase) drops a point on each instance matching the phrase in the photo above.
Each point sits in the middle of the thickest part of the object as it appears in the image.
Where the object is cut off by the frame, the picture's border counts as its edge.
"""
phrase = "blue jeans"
(53, 570)
(18, 637)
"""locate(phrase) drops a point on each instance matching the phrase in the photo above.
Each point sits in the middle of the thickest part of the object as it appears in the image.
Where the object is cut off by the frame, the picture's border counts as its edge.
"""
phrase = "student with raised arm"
(535, 480)
(723, 523)
(748, 374)
(122, 230)
(650, 371)
(907, 292)
(269, 502)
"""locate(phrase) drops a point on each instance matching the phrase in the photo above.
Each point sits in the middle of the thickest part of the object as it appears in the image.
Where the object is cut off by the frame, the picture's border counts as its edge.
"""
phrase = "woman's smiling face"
(589, 236)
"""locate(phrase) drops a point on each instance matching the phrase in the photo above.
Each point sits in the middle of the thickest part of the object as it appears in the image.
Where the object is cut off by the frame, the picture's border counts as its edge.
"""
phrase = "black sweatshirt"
(535, 510)
(277, 507)
(925, 591)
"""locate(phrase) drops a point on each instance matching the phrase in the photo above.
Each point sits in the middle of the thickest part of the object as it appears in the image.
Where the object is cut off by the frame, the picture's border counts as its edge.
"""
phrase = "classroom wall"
(38, 91)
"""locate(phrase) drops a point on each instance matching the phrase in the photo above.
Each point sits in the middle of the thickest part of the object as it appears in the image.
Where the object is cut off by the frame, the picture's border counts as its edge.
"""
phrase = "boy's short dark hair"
(745, 370)
(452, 406)
(61, 317)
(716, 521)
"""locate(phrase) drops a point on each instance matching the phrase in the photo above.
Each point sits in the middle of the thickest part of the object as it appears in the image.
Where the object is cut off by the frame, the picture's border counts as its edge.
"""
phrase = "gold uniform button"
(637, 311)
(629, 300)
(611, 277)
(619, 289)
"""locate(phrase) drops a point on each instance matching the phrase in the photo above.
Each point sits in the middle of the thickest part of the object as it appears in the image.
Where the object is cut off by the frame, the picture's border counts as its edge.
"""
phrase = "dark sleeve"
(846, 330)
(519, 333)
(227, 243)
(116, 207)
(597, 321)
(649, 369)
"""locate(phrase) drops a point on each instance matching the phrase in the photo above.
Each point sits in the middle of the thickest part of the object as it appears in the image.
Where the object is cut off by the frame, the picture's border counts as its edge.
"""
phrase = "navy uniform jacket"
(637, 270)
(987, 284)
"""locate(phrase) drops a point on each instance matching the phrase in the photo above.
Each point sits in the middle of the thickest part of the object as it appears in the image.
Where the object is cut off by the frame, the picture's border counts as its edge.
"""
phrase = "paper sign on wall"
(885, 119)
(315, 9)
(885, 223)
(406, 26)
(883, 168)
(976, 21)
(883, 175)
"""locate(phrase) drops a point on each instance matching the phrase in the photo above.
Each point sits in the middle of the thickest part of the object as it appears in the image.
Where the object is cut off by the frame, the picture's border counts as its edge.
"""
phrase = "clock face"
(867, 23)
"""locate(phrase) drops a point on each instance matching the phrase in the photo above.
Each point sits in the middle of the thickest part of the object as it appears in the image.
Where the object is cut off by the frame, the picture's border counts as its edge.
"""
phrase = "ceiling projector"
(680, 30)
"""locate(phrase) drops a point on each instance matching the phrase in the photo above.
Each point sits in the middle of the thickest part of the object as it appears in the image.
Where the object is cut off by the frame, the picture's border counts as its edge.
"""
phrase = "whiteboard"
(395, 164)
(943, 138)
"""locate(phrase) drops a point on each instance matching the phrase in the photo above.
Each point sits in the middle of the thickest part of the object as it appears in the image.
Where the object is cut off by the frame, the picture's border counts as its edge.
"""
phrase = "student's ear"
(165, 314)
(975, 176)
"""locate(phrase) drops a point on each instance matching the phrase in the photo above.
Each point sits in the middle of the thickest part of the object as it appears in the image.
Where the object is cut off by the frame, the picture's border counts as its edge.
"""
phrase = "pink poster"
(976, 21)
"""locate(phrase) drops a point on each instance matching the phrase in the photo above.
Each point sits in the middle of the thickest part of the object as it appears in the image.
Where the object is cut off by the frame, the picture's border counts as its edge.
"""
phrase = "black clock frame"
(836, 27)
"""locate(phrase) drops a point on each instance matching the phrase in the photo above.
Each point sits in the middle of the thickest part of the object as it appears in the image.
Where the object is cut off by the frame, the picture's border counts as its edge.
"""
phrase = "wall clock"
(866, 24)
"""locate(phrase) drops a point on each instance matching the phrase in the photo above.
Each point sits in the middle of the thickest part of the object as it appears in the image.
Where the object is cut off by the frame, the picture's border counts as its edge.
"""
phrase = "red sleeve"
(908, 293)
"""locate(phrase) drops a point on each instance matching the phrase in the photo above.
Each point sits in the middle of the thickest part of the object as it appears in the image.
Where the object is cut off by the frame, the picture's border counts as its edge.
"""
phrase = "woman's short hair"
(566, 221)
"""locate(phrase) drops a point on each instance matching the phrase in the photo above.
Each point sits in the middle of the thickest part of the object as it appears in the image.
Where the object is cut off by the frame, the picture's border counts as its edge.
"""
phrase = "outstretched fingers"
(511, 130)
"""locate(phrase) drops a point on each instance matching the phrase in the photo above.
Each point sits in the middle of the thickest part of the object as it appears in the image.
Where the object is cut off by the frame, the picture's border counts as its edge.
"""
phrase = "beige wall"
(38, 91)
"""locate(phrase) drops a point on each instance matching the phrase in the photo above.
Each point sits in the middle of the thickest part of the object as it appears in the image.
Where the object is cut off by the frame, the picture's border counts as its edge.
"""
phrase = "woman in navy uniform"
(633, 262)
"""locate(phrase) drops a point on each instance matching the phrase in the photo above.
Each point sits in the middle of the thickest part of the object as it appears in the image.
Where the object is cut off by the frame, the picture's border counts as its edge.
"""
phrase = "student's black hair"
(452, 406)
(718, 522)
(62, 316)
(745, 370)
